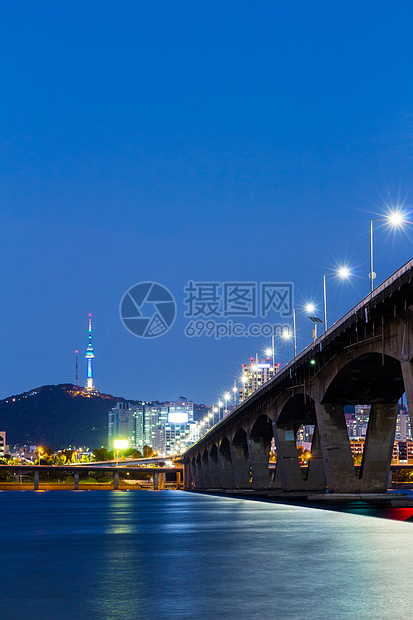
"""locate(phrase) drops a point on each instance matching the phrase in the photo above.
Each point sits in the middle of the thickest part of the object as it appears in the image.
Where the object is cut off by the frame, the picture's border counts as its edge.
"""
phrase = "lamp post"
(220, 404)
(310, 308)
(394, 219)
(226, 398)
(235, 389)
(343, 273)
(215, 410)
(120, 444)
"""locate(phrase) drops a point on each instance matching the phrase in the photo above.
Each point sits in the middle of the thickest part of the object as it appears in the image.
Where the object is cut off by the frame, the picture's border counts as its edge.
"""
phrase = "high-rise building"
(154, 417)
(181, 410)
(255, 374)
(125, 421)
(403, 427)
(90, 354)
(175, 438)
(2, 443)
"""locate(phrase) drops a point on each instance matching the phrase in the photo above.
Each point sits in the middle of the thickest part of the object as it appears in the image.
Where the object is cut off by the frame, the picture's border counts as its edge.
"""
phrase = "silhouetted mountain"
(57, 416)
(61, 415)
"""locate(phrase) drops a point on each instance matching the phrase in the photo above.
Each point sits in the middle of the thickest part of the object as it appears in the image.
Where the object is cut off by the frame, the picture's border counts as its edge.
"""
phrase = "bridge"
(364, 358)
(157, 473)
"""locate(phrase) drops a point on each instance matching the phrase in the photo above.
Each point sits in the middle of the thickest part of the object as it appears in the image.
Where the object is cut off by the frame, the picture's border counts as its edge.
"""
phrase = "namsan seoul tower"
(90, 354)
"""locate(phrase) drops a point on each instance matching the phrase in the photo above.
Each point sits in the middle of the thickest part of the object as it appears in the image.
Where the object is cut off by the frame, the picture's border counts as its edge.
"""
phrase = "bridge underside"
(365, 359)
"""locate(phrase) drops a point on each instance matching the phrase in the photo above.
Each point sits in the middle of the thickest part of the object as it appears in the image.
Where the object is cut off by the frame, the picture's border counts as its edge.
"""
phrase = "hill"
(57, 416)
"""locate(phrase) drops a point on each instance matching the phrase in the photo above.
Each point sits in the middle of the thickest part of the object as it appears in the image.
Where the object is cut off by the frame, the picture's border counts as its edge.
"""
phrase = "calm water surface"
(172, 555)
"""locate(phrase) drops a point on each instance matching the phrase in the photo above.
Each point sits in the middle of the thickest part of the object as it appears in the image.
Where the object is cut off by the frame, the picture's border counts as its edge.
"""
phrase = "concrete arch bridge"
(364, 358)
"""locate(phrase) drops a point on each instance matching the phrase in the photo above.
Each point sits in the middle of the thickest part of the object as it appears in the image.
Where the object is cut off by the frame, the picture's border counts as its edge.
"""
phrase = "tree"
(147, 452)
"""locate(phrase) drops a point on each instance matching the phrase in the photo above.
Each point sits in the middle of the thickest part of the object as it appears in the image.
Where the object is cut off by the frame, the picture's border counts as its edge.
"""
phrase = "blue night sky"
(206, 141)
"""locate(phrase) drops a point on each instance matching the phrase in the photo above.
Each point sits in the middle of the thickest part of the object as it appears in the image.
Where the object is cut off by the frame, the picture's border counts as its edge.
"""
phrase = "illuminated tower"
(90, 354)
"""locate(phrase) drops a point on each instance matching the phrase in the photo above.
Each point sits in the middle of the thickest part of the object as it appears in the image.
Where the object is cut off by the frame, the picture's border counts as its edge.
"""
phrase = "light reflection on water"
(174, 555)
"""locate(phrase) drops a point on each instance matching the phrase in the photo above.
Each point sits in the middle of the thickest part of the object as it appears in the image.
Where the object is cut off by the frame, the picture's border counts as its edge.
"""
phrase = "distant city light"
(121, 444)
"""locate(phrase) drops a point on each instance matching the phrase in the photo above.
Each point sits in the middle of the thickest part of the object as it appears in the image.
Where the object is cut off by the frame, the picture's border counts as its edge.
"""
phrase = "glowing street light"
(343, 273)
(396, 219)
(120, 444)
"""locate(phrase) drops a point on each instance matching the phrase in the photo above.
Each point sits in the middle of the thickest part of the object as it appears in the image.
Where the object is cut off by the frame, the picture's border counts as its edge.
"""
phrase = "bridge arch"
(240, 459)
(214, 472)
(205, 469)
(201, 480)
(369, 378)
(259, 444)
(298, 410)
(225, 464)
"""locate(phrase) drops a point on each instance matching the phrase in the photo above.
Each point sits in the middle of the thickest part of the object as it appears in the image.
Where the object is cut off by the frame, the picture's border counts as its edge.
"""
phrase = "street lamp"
(343, 273)
(120, 444)
(310, 308)
(220, 404)
(394, 219)
(235, 389)
(226, 398)
(215, 410)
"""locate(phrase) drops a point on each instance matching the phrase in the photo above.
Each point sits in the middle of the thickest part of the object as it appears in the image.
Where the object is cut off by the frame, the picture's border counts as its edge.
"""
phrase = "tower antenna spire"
(90, 354)
(77, 372)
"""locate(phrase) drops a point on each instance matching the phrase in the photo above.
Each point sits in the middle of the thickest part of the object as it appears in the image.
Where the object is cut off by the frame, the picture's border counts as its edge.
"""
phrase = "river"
(172, 555)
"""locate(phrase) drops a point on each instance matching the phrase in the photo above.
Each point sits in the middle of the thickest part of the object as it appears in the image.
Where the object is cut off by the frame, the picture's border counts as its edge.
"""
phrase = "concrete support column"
(156, 481)
(196, 475)
(240, 466)
(76, 481)
(335, 447)
(188, 477)
(259, 453)
(225, 469)
(288, 466)
(201, 484)
(36, 480)
(316, 477)
(407, 370)
(206, 472)
(116, 481)
(178, 480)
(214, 472)
(378, 448)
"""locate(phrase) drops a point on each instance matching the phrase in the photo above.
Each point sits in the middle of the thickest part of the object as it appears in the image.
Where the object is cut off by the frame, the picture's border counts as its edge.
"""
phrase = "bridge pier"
(259, 453)
(288, 466)
(335, 446)
(116, 481)
(200, 473)
(156, 482)
(225, 466)
(214, 472)
(378, 448)
(188, 477)
(206, 470)
(76, 481)
(36, 480)
(407, 371)
(240, 465)
(316, 478)
(196, 474)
